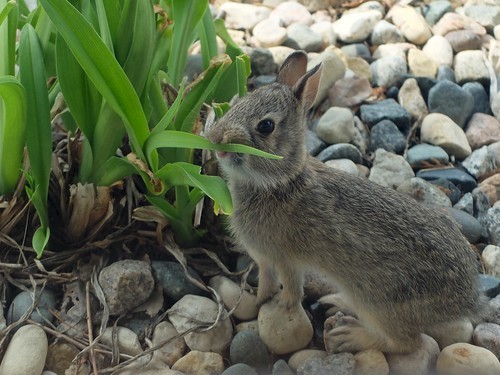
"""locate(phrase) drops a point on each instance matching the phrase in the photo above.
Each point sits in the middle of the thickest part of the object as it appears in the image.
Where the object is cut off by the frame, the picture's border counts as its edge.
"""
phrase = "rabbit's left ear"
(306, 88)
(293, 68)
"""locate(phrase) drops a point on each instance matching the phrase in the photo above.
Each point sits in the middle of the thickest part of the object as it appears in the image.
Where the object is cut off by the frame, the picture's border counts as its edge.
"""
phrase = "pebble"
(333, 70)
(127, 340)
(435, 10)
(454, 21)
(393, 49)
(464, 181)
(230, 292)
(269, 33)
(23, 301)
(239, 369)
(370, 362)
(390, 169)
(419, 362)
(411, 23)
(466, 204)
(446, 73)
(451, 100)
(261, 62)
(420, 64)
(60, 356)
(495, 105)
(252, 325)
(341, 151)
(448, 188)
(439, 49)
(345, 165)
(349, 91)
(490, 287)
(356, 27)
(482, 130)
(191, 311)
(467, 359)
(491, 260)
(386, 135)
(360, 68)
(385, 32)
(338, 364)
(492, 223)
(284, 331)
(299, 357)
(480, 162)
(243, 16)
(280, 367)
(247, 347)
(470, 66)
(463, 40)
(411, 99)
(171, 277)
(387, 109)
(424, 192)
(487, 335)
(469, 225)
(386, 71)
(301, 37)
(423, 155)
(357, 50)
(173, 350)
(290, 12)
(481, 100)
(490, 187)
(439, 130)
(26, 352)
(495, 149)
(314, 144)
(484, 13)
(336, 125)
(200, 363)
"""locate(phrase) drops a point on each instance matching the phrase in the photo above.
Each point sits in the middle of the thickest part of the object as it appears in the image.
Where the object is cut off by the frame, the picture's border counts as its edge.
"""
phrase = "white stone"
(192, 311)
(280, 53)
(467, 359)
(385, 32)
(390, 169)
(345, 165)
(419, 362)
(356, 27)
(420, 64)
(411, 99)
(26, 352)
(470, 66)
(439, 49)
(252, 325)
(480, 162)
(230, 292)
(449, 333)
(333, 70)
(368, 5)
(243, 16)
(127, 340)
(268, 33)
(370, 362)
(325, 29)
(412, 24)
(173, 349)
(291, 12)
(336, 126)
(439, 130)
(491, 260)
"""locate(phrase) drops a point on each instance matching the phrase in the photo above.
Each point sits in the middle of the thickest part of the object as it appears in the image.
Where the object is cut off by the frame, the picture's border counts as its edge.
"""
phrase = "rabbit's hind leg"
(268, 282)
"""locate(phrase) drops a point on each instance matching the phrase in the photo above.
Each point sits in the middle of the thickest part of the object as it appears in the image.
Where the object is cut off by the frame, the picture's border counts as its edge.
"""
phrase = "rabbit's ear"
(293, 68)
(306, 88)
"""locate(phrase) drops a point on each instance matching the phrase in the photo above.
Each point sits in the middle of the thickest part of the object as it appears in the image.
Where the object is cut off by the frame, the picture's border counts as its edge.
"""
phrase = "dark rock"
(261, 61)
(392, 93)
(464, 181)
(420, 156)
(386, 135)
(281, 368)
(451, 100)
(468, 224)
(42, 313)
(357, 50)
(489, 285)
(175, 284)
(247, 347)
(239, 369)
(242, 263)
(341, 151)
(481, 99)
(448, 188)
(446, 73)
(388, 109)
(435, 10)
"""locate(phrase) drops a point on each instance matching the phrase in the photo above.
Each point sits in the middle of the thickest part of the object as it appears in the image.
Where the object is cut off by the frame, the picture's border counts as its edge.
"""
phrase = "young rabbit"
(402, 268)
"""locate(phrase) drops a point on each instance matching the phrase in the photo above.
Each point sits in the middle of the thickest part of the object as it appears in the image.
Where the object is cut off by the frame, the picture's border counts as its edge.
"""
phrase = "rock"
(411, 24)
(487, 15)
(60, 355)
(420, 64)
(280, 367)
(230, 292)
(239, 369)
(386, 135)
(357, 50)
(247, 347)
(388, 109)
(466, 204)
(490, 187)
(200, 363)
(446, 73)
(435, 10)
(349, 91)
(333, 70)
(261, 60)
(345, 165)
(422, 155)
(336, 125)
(26, 352)
(487, 335)
(490, 287)
(492, 223)
(451, 100)
(127, 340)
(491, 260)
(370, 362)
(480, 162)
(469, 225)
(243, 16)
(470, 66)
(453, 21)
(171, 277)
(314, 145)
(192, 311)
(252, 325)
(390, 169)
(280, 53)
(338, 364)
(290, 12)
(360, 68)
(466, 359)
(439, 130)
(481, 100)
(424, 192)
(362, 135)
(495, 149)
(340, 151)
(448, 188)
(298, 358)
(174, 349)
(269, 33)
(463, 40)
(356, 27)
(392, 49)
(260, 81)
(482, 130)
(22, 303)
(410, 98)
(419, 362)
(301, 37)
(242, 264)
(464, 181)
(386, 71)
(452, 332)
(284, 331)
(325, 30)
(495, 105)
(385, 32)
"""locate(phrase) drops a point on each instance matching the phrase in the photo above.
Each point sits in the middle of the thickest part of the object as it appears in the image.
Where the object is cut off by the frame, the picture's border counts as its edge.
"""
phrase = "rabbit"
(402, 268)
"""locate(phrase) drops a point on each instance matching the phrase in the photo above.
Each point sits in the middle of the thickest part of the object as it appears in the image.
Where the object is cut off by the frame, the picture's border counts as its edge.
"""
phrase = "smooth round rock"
(284, 331)
(491, 260)
(463, 180)
(171, 277)
(470, 66)
(482, 130)
(336, 125)
(412, 24)
(469, 225)
(299, 357)
(191, 311)
(422, 155)
(200, 363)
(419, 362)
(301, 37)
(420, 64)
(357, 50)
(439, 49)
(467, 359)
(386, 71)
(243, 16)
(269, 33)
(385, 32)
(239, 369)
(230, 292)
(487, 335)
(314, 146)
(247, 347)
(334, 69)
(23, 301)
(424, 192)
(280, 367)
(435, 10)
(252, 325)
(174, 349)
(411, 99)
(261, 61)
(351, 91)
(356, 27)
(345, 165)
(481, 99)
(390, 169)
(387, 109)
(371, 362)
(290, 12)
(451, 100)
(341, 151)
(446, 73)
(463, 40)
(127, 340)
(26, 352)
(386, 135)
(325, 30)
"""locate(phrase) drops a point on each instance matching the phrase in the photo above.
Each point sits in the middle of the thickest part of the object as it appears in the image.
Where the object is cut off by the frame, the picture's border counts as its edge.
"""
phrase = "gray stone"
(492, 221)
(481, 100)
(357, 50)
(239, 369)
(387, 109)
(487, 15)
(446, 73)
(175, 284)
(23, 301)
(468, 224)
(463, 40)
(247, 347)
(242, 263)
(261, 60)
(435, 10)
(466, 204)
(385, 32)
(424, 155)
(451, 100)
(336, 125)
(386, 71)
(301, 37)
(464, 181)
(480, 162)
(481, 207)
(335, 364)
(356, 27)
(269, 33)
(386, 135)
(264, 80)
(341, 151)
(487, 335)
(424, 192)
(470, 66)
(490, 287)
(280, 367)
(390, 169)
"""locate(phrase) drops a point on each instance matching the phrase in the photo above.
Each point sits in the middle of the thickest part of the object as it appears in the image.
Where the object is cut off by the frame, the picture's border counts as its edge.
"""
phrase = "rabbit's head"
(272, 119)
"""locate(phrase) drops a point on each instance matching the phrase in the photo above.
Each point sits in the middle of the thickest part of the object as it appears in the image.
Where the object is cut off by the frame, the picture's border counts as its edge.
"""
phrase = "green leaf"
(208, 38)
(8, 30)
(40, 240)
(4, 12)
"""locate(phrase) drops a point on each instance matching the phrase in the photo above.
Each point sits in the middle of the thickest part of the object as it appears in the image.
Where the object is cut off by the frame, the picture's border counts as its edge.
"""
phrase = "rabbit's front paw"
(336, 302)
(347, 334)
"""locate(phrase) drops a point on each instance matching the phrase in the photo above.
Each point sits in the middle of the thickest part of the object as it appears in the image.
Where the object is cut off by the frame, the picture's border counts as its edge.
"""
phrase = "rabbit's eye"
(265, 126)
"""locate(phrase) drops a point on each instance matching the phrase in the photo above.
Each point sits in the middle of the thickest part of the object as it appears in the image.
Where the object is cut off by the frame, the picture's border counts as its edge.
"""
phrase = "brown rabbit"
(402, 268)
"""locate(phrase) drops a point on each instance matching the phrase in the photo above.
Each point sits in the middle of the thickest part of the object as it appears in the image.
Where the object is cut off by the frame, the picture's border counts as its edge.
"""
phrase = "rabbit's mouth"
(229, 158)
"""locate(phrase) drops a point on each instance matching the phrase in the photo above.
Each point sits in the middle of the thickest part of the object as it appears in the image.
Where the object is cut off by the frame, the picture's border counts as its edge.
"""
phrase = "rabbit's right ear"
(293, 68)
(306, 89)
